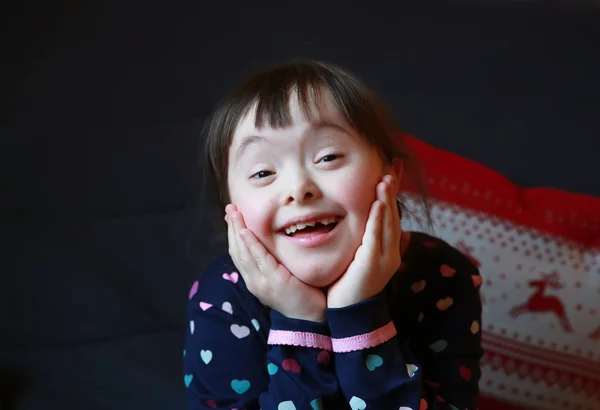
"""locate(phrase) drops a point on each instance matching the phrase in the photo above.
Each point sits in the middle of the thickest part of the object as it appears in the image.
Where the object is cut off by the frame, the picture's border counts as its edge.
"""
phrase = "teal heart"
(439, 346)
(317, 404)
(373, 362)
(240, 386)
(255, 324)
(187, 379)
(356, 403)
(453, 407)
(184, 353)
(286, 405)
(272, 368)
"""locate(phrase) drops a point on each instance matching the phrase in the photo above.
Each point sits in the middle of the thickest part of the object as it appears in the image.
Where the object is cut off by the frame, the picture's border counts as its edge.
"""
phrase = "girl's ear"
(397, 170)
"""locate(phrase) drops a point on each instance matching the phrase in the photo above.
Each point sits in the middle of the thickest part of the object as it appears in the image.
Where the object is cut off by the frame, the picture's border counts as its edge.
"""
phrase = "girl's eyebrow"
(321, 124)
(246, 142)
(314, 126)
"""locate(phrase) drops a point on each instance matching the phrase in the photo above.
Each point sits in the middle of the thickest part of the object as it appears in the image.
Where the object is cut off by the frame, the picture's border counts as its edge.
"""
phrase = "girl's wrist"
(347, 300)
(316, 317)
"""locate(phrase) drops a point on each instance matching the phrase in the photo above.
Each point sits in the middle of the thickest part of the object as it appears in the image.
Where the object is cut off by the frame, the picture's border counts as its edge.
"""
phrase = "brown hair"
(270, 91)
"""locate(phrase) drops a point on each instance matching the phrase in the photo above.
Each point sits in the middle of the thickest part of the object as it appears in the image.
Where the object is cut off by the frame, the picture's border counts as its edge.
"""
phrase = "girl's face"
(305, 190)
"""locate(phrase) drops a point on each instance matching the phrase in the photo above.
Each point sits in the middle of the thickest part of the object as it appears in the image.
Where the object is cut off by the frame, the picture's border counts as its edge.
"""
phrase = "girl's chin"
(319, 270)
(321, 279)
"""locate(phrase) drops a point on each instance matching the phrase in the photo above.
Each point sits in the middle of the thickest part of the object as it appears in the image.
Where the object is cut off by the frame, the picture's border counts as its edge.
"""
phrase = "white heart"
(356, 403)
(255, 324)
(412, 369)
(227, 308)
(206, 356)
(239, 331)
(286, 405)
(192, 326)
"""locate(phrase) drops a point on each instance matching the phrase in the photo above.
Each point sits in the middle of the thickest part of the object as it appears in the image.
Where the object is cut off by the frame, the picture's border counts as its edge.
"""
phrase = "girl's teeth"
(291, 229)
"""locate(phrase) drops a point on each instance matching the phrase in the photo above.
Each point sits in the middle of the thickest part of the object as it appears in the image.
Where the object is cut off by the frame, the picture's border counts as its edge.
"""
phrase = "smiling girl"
(323, 302)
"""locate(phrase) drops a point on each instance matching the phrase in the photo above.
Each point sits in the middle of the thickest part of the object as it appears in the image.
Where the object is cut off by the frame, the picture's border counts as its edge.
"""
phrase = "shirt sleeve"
(376, 370)
(234, 359)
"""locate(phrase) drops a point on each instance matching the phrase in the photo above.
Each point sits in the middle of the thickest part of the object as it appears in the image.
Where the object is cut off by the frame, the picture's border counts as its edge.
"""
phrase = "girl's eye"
(329, 158)
(262, 174)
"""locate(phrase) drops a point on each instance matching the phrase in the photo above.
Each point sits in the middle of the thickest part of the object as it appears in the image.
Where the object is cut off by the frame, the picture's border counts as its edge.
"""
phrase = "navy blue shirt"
(416, 345)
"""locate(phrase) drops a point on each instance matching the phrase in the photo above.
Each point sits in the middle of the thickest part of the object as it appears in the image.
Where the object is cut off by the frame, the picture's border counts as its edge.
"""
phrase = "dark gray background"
(103, 105)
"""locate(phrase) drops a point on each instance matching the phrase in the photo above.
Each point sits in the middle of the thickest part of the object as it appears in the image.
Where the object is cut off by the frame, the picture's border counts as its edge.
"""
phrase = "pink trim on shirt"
(304, 339)
(364, 341)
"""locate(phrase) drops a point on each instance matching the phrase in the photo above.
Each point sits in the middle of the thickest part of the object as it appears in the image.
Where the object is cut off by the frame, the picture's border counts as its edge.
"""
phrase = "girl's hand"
(377, 258)
(266, 278)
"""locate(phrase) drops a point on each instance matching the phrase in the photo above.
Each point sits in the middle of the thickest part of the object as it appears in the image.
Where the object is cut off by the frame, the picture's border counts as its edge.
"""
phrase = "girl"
(323, 302)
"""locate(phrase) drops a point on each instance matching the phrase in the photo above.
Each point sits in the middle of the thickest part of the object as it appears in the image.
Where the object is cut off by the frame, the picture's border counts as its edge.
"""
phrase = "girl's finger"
(264, 260)
(388, 231)
(233, 249)
(244, 255)
(238, 225)
(230, 237)
(397, 229)
(231, 208)
(372, 236)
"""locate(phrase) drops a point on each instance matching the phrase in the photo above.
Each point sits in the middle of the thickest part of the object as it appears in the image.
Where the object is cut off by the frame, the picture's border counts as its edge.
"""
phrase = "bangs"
(271, 94)
(272, 109)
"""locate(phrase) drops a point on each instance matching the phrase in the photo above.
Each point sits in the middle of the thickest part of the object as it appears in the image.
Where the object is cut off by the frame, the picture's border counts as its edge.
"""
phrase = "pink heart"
(447, 271)
(465, 373)
(444, 304)
(418, 286)
(231, 277)
(205, 306)
(432, 384)
(476, 280)
(194, 289)
(323, 357)
(428, 243)
(291, 365)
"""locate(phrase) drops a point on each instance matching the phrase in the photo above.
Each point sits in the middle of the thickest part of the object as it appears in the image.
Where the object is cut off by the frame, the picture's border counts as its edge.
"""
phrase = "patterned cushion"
(538, 250)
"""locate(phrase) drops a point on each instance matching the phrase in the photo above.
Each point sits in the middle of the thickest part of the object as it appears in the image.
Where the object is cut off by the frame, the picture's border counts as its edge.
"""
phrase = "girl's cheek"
(257, 219)
(359, 191)
(248, 206)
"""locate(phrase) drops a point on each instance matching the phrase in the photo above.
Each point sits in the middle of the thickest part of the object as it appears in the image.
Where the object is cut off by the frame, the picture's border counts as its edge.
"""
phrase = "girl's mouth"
(313, 234)
(322, 225)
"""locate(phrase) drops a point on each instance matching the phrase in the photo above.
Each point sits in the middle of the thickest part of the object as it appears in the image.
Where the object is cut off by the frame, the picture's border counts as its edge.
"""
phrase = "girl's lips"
(314, 217)
(312, 239)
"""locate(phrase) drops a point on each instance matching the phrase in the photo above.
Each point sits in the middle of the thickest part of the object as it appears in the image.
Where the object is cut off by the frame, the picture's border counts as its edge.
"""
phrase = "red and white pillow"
(538, 251)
